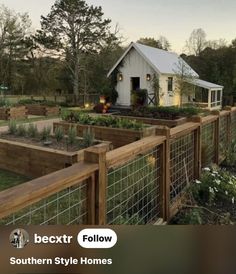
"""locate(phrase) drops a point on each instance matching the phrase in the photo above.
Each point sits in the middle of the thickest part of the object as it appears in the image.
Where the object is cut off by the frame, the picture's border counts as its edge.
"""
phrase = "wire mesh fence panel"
(233, 126)
(223, 142)
(208, 144)
(133, 192)
(63, 208)
(181, 165)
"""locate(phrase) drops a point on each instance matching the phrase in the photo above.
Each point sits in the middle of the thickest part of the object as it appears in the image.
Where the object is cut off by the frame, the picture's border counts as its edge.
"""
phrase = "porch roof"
(205, 84)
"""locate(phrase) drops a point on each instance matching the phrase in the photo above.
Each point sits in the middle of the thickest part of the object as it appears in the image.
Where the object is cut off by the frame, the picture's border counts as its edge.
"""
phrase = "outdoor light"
(120, 77)
(87, 105)
(102, 100)
(148, 77)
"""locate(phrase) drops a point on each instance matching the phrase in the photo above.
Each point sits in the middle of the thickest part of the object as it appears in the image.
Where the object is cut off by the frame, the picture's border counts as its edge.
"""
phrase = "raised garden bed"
(166, 116)
(42, 110)
(41, 107)
(158, 122)
(17, 112)
(33, 161)
(41, 154)
(117, 136)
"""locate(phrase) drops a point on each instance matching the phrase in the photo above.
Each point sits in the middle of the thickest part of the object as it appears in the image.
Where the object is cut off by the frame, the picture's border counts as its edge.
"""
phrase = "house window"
(170, 83)
(219, 97)
(215, 98)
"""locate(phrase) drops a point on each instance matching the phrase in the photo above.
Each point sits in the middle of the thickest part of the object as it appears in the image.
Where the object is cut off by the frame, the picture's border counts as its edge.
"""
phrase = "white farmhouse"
(140, 64)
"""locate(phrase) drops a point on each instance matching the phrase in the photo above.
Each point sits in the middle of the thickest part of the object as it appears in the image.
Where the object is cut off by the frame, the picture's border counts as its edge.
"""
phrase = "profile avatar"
(19, 238)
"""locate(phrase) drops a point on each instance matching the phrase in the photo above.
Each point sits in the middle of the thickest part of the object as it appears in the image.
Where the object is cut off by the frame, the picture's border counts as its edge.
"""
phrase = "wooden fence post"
(198, 146)
(217, 136)
(97, 154)
(91, 200)
(165, 173)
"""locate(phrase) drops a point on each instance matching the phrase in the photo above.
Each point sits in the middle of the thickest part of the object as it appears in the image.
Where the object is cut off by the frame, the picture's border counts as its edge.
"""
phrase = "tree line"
(76, 46)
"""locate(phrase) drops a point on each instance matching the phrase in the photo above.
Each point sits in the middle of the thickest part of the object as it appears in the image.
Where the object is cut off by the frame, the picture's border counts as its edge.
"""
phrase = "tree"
(160, 43)
(73, 29)
(14, 35)
(196, 42)
(184, 80)
(216, 44)
(233, 44)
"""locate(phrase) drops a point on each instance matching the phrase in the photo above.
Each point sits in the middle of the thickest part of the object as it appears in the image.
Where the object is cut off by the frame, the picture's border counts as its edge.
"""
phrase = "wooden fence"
(135, 184)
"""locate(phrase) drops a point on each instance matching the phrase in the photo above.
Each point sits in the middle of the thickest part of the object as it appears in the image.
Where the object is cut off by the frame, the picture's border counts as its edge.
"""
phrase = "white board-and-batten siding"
(134, 65)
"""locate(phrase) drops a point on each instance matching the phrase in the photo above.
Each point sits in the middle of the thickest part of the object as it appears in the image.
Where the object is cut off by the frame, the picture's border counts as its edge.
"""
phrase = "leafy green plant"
(21, 130)
(161, 112)
(215, 186)
(105, 121)
(72, 134)
(45, 134)
(59, 134)
(88, 137)
(32, 130)
(12, 127)
(139, 97)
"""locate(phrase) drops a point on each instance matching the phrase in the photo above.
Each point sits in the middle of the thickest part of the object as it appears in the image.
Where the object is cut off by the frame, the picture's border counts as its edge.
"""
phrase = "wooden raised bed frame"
(7, 113)
(117, 136)
(34, 161)
(157, 122)
(41, 110)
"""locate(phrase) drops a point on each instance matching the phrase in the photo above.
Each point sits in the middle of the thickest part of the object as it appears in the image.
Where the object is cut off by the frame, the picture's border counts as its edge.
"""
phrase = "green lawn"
(9, 179)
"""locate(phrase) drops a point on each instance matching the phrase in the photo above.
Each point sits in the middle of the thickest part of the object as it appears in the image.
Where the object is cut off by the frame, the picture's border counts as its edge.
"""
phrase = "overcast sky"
(175, 19)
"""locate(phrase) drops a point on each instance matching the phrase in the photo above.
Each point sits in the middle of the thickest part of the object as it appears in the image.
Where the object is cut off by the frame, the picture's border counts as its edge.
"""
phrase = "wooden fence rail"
(134, 184)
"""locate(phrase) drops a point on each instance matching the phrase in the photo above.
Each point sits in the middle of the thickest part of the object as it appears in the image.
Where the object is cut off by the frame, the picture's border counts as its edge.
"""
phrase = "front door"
(135, 83)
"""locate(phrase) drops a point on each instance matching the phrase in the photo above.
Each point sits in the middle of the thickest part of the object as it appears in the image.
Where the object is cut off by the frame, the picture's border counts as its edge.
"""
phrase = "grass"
(9, 179)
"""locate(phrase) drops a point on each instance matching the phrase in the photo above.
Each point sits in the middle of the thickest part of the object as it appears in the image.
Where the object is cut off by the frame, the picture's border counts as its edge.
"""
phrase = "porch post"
(209, 98)
(221, 97)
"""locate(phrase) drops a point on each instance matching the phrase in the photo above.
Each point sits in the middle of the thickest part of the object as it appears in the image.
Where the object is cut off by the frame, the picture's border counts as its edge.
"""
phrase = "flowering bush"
(215, 186)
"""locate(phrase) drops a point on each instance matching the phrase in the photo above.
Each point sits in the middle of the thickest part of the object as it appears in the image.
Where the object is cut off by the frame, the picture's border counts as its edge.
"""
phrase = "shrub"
(215, 186)
(12, 127)
(139, 97)
(88, 137)
(160, 112)
(72, 134)
(32, 130)
(45, 134)
(37, 102)
(27, 102)
(111, 95)
(59, 134)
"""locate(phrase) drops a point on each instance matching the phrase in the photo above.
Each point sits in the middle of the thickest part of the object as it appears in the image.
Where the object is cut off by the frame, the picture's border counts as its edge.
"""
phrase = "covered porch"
(207, 95)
